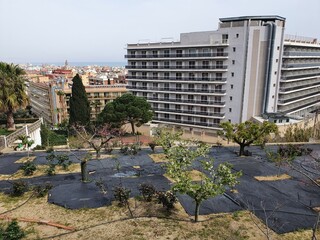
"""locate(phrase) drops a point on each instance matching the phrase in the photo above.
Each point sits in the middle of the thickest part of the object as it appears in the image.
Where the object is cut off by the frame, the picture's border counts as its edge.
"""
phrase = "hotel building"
(244, 69)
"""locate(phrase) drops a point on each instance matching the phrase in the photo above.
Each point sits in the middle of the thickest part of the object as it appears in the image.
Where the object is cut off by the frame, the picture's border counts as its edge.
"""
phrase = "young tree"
(26, 142)
(12, 91)
(127, 109)
(79, 104)
(182, 156)
(247, 133)
(166, 138)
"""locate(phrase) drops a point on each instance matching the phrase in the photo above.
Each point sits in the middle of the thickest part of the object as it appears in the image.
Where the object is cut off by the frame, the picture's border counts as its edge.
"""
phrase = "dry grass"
(113, 222)
(41, 171)
(194, 174)
(26, 159)
(273, 177)
(158, 158)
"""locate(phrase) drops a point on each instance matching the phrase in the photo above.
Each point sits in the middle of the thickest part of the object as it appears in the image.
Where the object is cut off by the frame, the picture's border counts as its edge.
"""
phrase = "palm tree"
(12, 91)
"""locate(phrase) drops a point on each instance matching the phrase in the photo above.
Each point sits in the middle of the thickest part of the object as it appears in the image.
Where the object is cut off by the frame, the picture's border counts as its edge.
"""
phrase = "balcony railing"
(301, 65)
(290, 99)
(194, 101)
(197, 90)
(177, 55)
(299, 87)
(215, 114)
(301, 75)
(177, 67)
(299, 54)
(193, 123)
(179, 78)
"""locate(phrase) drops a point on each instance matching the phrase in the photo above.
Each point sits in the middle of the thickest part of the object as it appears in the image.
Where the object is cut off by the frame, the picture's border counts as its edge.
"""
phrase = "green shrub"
(13, 232)
(28, 168)
(38, 147)
(122, 195)
(147, 191)
(51, 170)
(167, 199)
(42, 190)
(19, 188)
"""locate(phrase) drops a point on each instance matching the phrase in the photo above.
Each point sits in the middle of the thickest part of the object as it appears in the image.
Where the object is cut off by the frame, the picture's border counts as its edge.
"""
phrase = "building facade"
(230, 74)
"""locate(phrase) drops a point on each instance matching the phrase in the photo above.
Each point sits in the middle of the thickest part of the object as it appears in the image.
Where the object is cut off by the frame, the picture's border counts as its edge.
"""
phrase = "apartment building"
(299, 86)
(230, 74)
(51, 99)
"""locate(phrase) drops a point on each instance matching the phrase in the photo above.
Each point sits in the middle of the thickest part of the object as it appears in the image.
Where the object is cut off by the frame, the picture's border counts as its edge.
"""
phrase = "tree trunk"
(241, 153)
(196, 212)
(10, 121)
(84, 172)
(132, 127)
(98, 154)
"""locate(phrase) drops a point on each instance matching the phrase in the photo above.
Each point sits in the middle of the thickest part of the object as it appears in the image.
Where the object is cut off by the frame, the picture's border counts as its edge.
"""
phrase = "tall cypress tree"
(79, 104)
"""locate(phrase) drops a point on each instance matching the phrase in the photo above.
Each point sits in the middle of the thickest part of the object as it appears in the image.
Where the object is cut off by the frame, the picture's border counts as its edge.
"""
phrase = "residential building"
(230, 74)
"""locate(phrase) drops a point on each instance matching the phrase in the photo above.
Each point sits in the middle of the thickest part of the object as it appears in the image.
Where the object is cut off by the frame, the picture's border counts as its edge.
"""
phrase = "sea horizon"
(79, 64)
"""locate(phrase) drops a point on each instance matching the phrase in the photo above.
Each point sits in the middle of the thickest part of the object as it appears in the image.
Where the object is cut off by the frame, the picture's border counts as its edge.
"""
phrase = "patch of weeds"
(12, 232)
(42, 190)
(147, 191)
(28, 168)
(19, 188)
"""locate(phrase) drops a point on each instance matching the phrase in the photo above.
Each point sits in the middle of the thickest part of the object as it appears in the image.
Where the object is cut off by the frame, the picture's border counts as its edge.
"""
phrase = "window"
(190, 98)
(232, 74)
(231, 86)
(217, 99)
(220, 52)
(277, 60)
(178, 97)
(155, 105)
(225, 38)
(166, 75)
(230, 98)
(275, 73)
(219, 64)
(216, 121)
(206, 52)
(203, 120)
(237, 35)
(178, 117)
(204, 99)
(192, 64)
(178, 86)
(229, 120)
(191, 76)
(190, 120)
(233, 62)
(144, 85)
(133, 53)
(144, 75)
(205, 64)
(166, 96)
(178, 107)
(154, 75)
(178, 76)
(166, 86)
(133, 64)
(144, 54)
(179, 64)
(166, 53)
(144, 94)
(216, 110)
(205, 76)
(192, 52)
(155, 64)
(274, 84)
(166, 106)
(191, 87)
(204, 87)
(233, 49)
(230, 109)
(203, 109)
(166, 115)
(166, 64)
(218, 76)
(144, 64)
(287, 120)
(179, 53)
(272, 96)
(134, 84)
(154, 53)
(278, 48)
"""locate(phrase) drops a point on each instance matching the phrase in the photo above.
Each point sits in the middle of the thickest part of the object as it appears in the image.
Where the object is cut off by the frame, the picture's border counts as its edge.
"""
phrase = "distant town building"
(244, 69)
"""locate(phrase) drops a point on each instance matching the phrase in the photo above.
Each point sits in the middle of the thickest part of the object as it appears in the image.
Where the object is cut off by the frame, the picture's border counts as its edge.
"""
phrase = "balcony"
(190, 101)
(185, 122)
(213, 114)
(300, 65)
(182, 90)
(286, 100)
(202, 67)
(300, 54)
(179, 55)
(210, 79)
(302, 87)
(301, 75)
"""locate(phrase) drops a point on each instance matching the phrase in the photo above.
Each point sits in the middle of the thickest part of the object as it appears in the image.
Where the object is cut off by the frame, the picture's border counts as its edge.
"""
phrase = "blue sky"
(98, 30)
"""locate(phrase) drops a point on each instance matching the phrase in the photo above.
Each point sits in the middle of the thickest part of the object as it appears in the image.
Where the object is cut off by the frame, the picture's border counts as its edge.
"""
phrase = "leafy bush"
(28, 168)
(42, 190)
(121, 194)
(167, 199)
(12, 232)
(49, 150)
(147, 191)
(51, 170)
(291, 151)
(54, 160)
(63, 161)
(19, 188)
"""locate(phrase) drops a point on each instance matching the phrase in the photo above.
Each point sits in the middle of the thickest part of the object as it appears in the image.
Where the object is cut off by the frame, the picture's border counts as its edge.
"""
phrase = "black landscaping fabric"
(286, 203)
